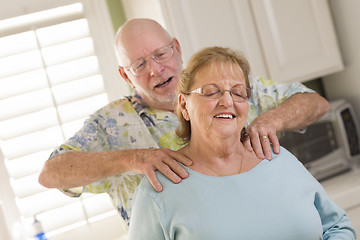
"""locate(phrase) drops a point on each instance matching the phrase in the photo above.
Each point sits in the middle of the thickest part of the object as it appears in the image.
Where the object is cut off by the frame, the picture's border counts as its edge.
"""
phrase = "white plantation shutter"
(50, 81)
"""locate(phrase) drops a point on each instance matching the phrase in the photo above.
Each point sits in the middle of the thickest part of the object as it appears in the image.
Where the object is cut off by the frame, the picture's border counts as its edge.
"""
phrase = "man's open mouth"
(164, 83)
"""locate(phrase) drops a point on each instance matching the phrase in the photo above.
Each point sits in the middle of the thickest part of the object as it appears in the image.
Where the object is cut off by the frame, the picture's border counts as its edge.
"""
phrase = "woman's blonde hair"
(216, 59)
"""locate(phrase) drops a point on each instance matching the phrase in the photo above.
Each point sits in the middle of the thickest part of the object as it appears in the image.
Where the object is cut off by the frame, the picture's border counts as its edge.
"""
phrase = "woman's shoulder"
(145, 186)
(285, 155)
(287, 162)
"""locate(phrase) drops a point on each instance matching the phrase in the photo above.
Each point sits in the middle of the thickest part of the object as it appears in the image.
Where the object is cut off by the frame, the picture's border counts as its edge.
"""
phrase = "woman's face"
(221, 117)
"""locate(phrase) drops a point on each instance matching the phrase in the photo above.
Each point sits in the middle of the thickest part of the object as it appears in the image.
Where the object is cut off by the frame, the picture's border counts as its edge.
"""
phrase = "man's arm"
(297, 112)
(74, 169)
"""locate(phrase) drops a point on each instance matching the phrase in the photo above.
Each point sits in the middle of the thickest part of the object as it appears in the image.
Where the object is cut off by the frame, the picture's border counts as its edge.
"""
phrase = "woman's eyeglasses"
(238, 93)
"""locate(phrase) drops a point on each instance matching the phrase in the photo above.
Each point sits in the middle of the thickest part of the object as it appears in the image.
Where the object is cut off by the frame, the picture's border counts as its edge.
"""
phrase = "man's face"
(157, 85)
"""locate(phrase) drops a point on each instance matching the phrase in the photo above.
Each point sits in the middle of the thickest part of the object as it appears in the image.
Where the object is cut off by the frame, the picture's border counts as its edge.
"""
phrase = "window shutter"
(50, 82)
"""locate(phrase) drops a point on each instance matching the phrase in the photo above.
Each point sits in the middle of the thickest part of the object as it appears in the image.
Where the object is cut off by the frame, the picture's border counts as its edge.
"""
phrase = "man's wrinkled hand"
(147, 161)
(258, 137)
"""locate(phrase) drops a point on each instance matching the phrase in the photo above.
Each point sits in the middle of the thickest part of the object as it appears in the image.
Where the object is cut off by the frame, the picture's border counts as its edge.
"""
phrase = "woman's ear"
(182, 105)
(124, 75)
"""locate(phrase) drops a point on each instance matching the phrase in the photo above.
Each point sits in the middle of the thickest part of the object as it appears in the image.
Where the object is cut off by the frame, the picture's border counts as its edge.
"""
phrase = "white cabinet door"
(284, 40)
(203, 23)
(298, 38)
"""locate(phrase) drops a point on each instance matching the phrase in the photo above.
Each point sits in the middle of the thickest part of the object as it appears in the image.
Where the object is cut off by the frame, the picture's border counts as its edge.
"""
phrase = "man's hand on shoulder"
(259, 136)
(147, 161)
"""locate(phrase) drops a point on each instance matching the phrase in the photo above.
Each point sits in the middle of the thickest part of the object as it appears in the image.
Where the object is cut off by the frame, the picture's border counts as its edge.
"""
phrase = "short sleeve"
(90, 138)
(268, 94)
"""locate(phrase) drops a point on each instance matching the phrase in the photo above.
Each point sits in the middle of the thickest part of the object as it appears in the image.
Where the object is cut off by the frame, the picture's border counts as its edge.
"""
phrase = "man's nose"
(155, 67)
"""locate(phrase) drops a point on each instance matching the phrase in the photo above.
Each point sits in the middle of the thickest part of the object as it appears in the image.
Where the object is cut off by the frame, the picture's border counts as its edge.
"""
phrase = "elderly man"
(135, 135)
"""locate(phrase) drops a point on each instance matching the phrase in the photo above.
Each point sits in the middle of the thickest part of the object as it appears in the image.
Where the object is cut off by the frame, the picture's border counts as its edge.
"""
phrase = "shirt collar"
(138, 103)
(142, 108)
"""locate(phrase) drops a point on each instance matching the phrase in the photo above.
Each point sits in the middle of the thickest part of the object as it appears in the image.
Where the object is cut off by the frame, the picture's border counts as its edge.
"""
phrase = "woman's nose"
(226, 99)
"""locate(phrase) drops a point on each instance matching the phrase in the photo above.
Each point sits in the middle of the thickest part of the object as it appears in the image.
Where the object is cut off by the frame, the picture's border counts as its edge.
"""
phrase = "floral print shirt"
(128, 123)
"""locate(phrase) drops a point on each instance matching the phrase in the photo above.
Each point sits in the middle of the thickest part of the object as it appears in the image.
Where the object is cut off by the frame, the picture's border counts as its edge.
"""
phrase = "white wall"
(346, 84)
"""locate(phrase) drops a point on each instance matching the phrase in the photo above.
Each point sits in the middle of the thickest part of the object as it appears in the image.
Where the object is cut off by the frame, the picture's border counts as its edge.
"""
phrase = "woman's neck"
(219, 158)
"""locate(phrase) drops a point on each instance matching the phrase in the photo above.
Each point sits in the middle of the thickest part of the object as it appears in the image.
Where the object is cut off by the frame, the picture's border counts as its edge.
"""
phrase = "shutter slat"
(75, 90)
(73, 70)
(20, 63)
(31, 143)
(17, 43)
(41, 19)
(64, 32)
(25, 103)
(82, 108)
(35, 121)
(68, 51)
(23, 83)
(21, 167)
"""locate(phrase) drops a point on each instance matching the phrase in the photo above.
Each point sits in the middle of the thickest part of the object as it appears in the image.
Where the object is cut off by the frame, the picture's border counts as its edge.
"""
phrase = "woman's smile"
(225, 116)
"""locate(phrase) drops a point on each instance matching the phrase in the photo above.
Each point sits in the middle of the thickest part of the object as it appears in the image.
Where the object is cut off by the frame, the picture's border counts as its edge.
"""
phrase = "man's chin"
(165, 94)
(166, 102)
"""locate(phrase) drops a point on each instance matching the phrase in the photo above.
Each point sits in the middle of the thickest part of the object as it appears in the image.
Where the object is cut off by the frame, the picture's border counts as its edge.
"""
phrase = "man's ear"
(178, 47)
(182, 105)
(124, 75)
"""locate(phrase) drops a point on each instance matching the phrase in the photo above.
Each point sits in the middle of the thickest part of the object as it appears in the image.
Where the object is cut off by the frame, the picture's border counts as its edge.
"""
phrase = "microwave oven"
(329, 146)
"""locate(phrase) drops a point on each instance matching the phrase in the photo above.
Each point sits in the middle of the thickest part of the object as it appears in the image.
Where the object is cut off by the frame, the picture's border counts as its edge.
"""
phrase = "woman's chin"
(228, 134)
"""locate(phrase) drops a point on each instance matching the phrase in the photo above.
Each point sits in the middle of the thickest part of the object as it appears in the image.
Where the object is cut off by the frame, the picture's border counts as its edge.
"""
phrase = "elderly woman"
(230, 193)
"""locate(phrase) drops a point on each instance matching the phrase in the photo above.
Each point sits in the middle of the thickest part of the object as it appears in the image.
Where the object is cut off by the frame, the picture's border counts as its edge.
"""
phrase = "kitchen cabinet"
(283, 40)
(297, 38)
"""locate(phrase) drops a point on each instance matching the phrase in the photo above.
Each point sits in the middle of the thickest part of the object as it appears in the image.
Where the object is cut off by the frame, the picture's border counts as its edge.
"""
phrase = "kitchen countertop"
(344, 189)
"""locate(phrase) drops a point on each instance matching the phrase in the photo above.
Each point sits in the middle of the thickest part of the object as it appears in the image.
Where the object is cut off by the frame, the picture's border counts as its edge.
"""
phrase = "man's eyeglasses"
(160, 55)
(238, 93)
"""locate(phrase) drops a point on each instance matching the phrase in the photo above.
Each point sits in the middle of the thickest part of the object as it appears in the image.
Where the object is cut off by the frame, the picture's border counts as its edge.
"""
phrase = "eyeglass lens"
(160, 55)
(238, 93)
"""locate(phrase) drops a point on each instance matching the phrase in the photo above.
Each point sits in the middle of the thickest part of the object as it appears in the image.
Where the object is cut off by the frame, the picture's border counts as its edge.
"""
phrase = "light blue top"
(277, 199)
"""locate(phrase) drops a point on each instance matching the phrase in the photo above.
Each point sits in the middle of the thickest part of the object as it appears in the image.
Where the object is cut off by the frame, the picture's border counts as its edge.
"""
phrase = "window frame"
(101, 29)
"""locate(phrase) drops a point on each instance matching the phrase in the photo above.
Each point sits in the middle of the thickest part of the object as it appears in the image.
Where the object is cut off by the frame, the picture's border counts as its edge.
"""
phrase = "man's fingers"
(181, 158)
(177, 169)
(151, 175)
(165, 161)
(275, 143)
(172, 174)
(247, 145)
(266, 147)
(173, 163)
(245, 139)
(169, 173)
(263, 140)
(257, 146)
